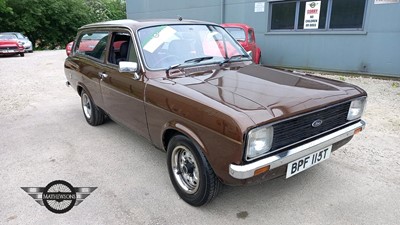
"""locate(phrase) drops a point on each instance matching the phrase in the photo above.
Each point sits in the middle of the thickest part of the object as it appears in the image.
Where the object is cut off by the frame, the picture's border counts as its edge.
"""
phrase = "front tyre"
(93, 115)
(22, 54)
(190, 173)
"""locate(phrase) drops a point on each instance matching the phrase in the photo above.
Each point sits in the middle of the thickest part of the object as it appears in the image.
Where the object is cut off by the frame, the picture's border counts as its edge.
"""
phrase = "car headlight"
(356, 108)
(259, 141)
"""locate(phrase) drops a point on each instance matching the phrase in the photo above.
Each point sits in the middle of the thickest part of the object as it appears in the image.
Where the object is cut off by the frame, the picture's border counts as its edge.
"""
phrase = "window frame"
(327, 28)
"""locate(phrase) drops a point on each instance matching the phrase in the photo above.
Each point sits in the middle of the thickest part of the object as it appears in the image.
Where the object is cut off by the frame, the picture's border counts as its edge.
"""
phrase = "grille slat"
(8, 48)
(297, 129)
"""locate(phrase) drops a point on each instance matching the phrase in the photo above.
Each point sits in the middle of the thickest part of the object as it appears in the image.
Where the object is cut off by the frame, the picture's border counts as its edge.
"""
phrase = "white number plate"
(7, 51)
(308, 161)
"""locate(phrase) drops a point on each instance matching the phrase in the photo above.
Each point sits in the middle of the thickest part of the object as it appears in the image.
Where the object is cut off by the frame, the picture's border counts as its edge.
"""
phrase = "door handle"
(102, 75)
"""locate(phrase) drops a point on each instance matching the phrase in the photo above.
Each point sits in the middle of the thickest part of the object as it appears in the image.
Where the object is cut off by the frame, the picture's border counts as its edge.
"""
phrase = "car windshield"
(19, 35)
(169, 45)
(8, 37)
(237, 32)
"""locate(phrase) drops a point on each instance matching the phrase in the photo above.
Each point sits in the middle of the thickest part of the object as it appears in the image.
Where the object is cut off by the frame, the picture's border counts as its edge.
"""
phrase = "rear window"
(237, 32)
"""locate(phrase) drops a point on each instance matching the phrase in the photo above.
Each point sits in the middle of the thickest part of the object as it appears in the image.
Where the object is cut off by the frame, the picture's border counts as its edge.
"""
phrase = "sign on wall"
(311, 15)
(385, 1)
(259, 6)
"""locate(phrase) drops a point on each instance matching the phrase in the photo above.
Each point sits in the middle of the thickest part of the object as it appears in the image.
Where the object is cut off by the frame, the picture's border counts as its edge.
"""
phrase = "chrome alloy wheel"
(86, 105)
(185, 169)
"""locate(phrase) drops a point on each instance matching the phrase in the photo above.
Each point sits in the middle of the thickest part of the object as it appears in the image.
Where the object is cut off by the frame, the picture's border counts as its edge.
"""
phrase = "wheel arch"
(173, 129)
(80, 87)
(259, 55)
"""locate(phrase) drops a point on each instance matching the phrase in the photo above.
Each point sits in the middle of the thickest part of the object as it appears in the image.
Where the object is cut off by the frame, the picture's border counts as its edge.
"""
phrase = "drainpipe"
(222, 11)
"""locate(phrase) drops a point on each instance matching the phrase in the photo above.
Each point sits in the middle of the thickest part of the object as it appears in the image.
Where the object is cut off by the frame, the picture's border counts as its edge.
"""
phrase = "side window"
(92, 44)
(251, 36)
(121, 48)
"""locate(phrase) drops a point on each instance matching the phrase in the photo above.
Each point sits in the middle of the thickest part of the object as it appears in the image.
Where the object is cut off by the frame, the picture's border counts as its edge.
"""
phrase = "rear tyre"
(93, 114)
(190, 173)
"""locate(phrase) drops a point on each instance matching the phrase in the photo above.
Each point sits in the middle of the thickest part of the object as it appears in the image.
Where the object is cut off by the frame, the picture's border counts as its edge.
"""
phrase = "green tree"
(4, 12)
(103, 10)
(53, 23)
(3, 7)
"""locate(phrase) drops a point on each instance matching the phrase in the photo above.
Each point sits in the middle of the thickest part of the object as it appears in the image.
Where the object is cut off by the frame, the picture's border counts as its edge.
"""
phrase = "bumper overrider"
(283, 158)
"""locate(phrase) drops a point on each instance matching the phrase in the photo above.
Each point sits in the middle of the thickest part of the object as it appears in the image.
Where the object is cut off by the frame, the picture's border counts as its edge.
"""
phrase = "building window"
(302, 15)
(347, 14)
(283, 16)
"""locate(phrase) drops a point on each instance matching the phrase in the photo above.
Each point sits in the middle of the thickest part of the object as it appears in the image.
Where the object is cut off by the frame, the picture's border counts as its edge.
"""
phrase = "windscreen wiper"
(196, 60)
(172, 67)
(199, 59)
(233, 57)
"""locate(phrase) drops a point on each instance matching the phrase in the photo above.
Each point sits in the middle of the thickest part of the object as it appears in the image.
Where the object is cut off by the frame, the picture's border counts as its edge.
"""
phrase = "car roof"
(240, 25)
(137, 24)
(10, 32)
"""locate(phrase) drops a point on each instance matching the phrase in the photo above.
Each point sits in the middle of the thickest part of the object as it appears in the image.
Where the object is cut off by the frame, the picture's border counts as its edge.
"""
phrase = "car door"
(123, 95)
(88, 58)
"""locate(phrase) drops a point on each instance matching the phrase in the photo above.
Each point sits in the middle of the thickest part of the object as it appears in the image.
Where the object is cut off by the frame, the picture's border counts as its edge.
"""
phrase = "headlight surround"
(259, 141)
(356, 109)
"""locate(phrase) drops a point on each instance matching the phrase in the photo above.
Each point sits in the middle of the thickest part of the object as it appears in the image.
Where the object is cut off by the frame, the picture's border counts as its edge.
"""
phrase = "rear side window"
(92, 44)
(251, 36)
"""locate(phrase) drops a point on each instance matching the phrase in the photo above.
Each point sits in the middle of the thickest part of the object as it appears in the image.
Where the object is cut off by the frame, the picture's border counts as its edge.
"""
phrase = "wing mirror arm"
(129, 67)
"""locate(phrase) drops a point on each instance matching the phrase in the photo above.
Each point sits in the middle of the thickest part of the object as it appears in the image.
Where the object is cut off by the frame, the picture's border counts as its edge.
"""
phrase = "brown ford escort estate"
(193, 91)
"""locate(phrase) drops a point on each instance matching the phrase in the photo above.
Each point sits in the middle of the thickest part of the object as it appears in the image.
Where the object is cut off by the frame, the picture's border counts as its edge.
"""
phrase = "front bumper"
(28, 47)
(283, 158)
(12, 52)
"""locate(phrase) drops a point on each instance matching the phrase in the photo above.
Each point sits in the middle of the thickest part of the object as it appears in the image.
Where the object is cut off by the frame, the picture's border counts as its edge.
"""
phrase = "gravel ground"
(44, 137)
(376, 151)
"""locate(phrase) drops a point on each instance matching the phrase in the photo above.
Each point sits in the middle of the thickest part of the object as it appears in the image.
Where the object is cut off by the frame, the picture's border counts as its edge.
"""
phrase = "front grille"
(9, 48)
(300, 128)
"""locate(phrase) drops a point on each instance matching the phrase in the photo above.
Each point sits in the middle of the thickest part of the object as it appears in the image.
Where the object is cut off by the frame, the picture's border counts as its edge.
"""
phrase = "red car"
(68, 48)
(9, 45)
(244, 34)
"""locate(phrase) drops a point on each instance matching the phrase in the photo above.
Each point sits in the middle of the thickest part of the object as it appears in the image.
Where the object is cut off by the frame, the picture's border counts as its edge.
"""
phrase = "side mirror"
(129, 67)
